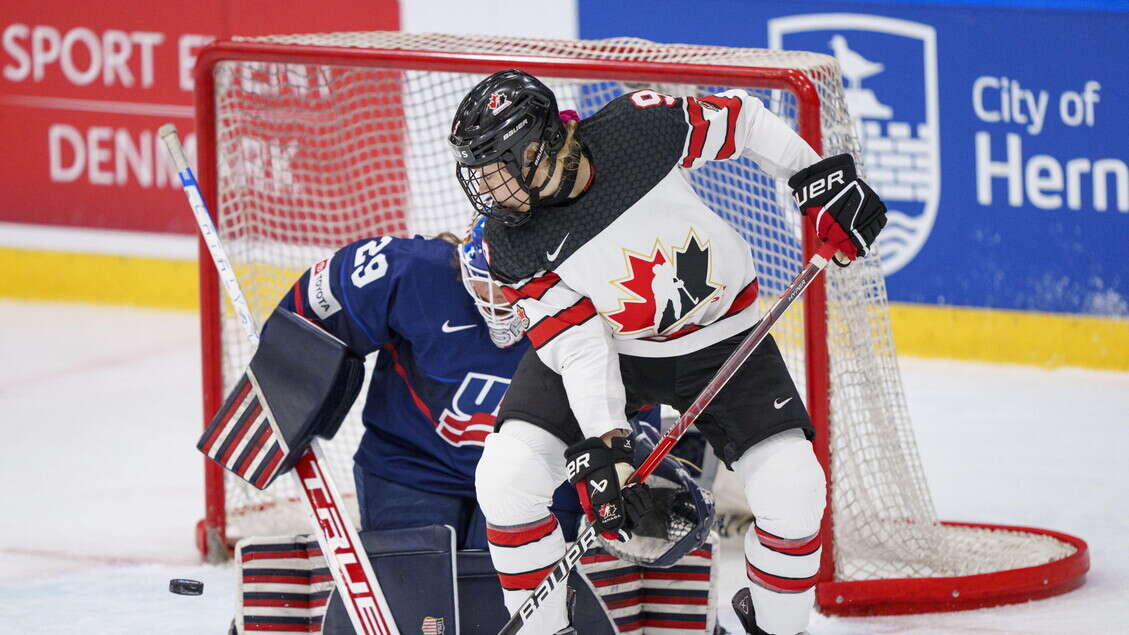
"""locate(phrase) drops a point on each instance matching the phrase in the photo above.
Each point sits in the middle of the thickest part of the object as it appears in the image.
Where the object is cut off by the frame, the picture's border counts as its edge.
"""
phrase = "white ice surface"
(100, 412)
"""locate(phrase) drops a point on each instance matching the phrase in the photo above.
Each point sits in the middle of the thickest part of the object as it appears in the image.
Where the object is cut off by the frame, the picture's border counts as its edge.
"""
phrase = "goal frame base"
(902, 596)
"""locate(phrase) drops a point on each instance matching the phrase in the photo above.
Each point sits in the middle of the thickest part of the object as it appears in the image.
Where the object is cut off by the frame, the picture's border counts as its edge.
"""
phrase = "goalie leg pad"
(481, 611)
(786, 489)
(398, 556)
(521, 466)
(284, 584)
(673, 600)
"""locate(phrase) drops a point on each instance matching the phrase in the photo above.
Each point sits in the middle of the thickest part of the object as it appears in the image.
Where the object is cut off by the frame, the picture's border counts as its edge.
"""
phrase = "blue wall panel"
(997, 207)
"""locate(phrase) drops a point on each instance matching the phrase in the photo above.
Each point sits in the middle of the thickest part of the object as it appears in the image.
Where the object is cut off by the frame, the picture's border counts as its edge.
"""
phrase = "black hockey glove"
(841, 206)
(598, 472)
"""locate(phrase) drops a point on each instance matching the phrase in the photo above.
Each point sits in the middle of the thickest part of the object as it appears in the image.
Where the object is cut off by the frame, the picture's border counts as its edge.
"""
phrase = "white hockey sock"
(785, 488)
(523, 555)
(782, 573)
(520, 468)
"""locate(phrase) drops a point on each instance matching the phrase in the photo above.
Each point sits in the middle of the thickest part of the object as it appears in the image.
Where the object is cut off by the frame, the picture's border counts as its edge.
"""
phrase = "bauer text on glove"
(841, 206)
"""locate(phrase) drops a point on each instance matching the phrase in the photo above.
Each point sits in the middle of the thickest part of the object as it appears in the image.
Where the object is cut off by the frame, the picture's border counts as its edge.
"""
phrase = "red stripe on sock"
(790, 546)
(522, 534)
(778, 584)
(524, 581)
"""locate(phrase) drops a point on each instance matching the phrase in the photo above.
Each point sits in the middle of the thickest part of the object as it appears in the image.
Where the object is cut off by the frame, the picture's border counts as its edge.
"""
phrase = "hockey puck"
(183, 586)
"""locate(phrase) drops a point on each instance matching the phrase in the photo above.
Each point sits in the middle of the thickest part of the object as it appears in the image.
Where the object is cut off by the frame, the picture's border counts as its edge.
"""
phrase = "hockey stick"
(340, 544)
(586, 539)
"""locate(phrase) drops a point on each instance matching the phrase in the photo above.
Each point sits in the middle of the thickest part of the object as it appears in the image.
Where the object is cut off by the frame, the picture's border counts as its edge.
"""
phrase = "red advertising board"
(85, 85)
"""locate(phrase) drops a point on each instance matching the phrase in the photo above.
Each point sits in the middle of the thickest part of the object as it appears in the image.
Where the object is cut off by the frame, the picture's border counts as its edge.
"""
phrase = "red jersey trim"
(732, 106)
(403, 373)
(699, 129)
(299, 306)
(535, 289)
(550, 327)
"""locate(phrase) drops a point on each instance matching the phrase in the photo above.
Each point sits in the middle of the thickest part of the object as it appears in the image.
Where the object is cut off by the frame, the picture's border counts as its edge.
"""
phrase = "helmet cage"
(501, 319)
(490, 143)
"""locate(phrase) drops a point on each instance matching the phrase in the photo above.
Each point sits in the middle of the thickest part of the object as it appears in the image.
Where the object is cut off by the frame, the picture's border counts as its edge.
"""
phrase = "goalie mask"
(501, 319)
(505, 128)
(683, 516)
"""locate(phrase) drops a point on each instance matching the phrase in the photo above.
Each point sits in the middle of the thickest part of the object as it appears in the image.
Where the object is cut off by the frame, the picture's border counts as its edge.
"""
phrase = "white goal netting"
(313, 151)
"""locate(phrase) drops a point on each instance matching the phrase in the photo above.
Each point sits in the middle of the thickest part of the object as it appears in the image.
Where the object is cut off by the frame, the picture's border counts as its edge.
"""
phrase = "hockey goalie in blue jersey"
(439, 376)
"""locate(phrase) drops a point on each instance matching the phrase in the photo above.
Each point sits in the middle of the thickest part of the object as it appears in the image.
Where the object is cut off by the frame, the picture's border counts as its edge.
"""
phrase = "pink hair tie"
(569, 115)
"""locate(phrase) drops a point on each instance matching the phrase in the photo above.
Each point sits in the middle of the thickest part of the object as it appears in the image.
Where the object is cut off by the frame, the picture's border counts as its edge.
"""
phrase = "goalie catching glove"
(841, 206)
(598, 473)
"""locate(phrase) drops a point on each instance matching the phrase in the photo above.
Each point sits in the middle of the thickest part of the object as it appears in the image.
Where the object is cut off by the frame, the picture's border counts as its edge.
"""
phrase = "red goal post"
(307, 142)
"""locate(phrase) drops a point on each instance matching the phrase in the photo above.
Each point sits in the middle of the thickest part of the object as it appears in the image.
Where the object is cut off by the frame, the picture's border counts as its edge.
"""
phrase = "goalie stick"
(586, 538)
(340, 544)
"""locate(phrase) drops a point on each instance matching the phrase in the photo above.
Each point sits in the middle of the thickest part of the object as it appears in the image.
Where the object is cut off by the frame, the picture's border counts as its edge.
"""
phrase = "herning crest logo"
(666, 287)
(890, 72)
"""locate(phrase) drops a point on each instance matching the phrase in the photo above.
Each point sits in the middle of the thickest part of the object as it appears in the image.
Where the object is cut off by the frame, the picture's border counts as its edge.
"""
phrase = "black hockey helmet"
(494, 125)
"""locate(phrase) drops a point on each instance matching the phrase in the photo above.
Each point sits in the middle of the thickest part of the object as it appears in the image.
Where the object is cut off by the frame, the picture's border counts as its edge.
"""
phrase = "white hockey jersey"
(639, 265)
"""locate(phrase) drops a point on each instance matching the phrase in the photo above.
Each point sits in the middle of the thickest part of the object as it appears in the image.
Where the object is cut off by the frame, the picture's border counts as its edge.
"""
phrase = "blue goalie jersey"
(438, 379)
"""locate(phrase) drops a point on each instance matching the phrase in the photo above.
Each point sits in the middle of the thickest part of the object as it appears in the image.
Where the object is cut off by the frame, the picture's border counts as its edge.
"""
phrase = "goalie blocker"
(300, 383)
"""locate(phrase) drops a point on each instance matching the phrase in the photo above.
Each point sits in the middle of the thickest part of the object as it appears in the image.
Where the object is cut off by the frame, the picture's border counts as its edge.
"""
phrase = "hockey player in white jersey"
(584, 217)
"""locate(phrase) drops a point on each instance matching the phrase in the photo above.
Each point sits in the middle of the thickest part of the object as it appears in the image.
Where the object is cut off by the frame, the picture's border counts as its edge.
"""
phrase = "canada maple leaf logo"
(608, 510)
(665, 291)
(497, 103)
(637, 314)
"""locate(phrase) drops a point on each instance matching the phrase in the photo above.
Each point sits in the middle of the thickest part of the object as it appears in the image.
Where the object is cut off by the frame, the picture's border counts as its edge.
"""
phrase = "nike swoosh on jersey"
(556, 252)
(780, 404)
(447, 328)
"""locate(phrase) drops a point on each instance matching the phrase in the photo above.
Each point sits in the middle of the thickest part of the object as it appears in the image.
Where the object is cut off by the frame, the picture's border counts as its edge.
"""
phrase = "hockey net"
(308, 142)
